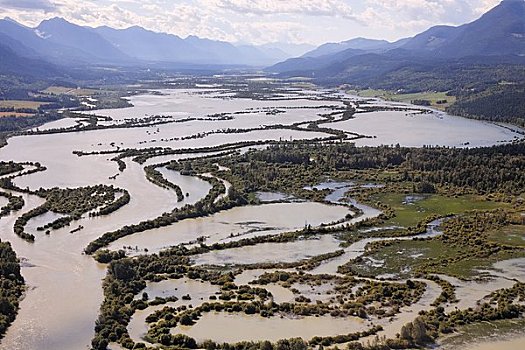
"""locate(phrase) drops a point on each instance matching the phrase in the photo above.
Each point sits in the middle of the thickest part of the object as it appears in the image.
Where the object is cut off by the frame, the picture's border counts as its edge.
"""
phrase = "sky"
(258, 21)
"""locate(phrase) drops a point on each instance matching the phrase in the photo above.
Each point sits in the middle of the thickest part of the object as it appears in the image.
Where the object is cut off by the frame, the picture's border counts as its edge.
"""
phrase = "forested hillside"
(502, 103)
(12, 284)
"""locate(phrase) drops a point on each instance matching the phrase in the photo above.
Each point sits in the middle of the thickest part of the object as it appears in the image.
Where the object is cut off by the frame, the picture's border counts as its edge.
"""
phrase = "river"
(64, 291)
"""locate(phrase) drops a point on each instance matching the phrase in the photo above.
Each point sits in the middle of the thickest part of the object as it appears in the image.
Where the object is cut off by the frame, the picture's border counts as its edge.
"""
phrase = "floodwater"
(498, 335)
(199, 291)
(219, 326)
(193, 188)
(391, 128)
(41, 220)
(64, 286)
(3, 202)
(273, 197)
(270, 252)
(511, 344)
(410, 313)
(513, 269)
(58, 124)
(469, 293)
(235, 224)
(357, 249)
(184, 103)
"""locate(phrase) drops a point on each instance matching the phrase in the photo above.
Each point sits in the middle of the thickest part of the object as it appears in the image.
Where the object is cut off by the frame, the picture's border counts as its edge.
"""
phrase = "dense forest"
(499, 103)
(288, 168)
(12, 284)
(484, 91)
(69, 204)
(485, 170)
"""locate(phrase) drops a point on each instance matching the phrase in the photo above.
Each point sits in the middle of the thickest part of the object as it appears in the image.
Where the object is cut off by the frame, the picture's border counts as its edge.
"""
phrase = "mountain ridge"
(499, 33)
(57, 40)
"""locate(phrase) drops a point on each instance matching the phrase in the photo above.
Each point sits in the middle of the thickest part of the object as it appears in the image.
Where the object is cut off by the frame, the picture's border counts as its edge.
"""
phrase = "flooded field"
(390, 129)
(235, 224)
(271, 252)
(218, 326)
(501, 335)
(64, 292)
(511, 344)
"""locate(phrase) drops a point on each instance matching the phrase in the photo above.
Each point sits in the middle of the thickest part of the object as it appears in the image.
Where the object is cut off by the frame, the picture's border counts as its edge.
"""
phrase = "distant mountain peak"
(497, 36)
(57, 20)
(14, 22)
(498, 32)
(359, 43)
(60, 41)
(9, 19)
(135, 27)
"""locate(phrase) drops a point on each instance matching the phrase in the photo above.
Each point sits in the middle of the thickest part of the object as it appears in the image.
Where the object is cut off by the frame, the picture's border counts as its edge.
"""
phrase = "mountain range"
(367, 45)
(56, 45)
(498, 36)
(62, 43)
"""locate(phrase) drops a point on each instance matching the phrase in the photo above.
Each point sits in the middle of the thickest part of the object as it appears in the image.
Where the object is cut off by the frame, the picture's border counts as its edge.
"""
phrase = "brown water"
(469, 293)
(64, 292)
(427, 129)
(510, 344)
(499, 335)
(64, 286)
(236, 223)
(270, 252)
(199, 291)
(219, 326)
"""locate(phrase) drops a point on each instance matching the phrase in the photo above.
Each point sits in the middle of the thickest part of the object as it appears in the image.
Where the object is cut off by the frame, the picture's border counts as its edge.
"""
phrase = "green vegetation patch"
(470, 268)
(439, 100)
(412, 209)
(12, 284)
(462, 250)
(403, 258)
(513, 235)
(408, 258)
(484, 332)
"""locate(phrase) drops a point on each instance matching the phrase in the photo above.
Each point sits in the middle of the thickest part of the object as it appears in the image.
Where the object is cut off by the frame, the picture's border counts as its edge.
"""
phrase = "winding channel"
(64, 292)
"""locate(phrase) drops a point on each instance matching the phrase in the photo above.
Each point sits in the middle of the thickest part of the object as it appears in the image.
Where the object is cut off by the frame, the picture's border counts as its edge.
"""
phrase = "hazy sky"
(258, 21)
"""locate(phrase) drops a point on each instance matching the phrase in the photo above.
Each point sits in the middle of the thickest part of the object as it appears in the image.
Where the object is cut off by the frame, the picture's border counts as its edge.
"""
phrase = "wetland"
(260, 215)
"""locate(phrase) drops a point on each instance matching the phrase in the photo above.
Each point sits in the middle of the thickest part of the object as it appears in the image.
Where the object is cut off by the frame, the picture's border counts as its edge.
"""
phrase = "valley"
(262, 175)
(286, 198)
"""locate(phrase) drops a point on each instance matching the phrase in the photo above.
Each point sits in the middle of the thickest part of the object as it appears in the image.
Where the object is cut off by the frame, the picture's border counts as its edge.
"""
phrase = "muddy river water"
(64, 286)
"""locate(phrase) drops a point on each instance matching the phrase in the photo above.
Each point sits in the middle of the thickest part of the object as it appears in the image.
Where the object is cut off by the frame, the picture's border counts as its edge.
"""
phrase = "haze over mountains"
(363, 44)
(498, 36)
(63, 43)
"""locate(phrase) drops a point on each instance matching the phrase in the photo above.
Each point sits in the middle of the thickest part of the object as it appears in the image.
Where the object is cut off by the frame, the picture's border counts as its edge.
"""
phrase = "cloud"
(335, 8)
(259, 32)
(415, 15)
(42, 5)
(258, 21)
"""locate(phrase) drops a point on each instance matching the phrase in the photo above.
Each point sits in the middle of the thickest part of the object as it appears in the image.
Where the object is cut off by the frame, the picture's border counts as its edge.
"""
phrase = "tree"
(186, 320)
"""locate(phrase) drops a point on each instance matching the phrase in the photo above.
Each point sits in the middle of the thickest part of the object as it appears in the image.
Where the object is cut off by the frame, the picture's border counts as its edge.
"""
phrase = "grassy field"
(513, 235)
(14, 114)
(411, 212)
(20, 104)
(485, 333)
(433, 97)
(60, 90)
(403, 258)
